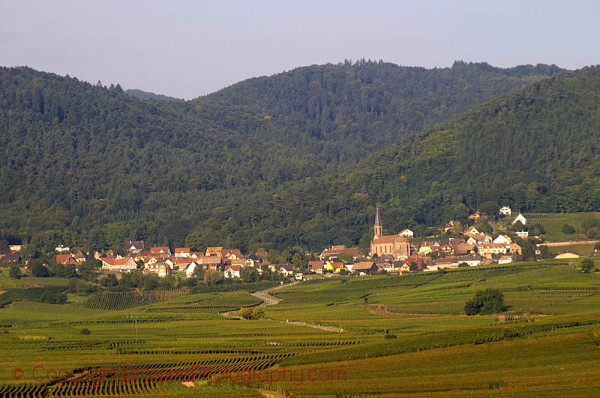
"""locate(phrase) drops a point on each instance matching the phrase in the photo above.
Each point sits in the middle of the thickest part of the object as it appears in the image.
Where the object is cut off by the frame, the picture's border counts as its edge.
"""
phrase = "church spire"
(377, 229)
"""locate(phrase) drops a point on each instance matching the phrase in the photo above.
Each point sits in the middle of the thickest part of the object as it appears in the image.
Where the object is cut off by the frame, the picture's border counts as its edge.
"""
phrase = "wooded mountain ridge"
(273, 160)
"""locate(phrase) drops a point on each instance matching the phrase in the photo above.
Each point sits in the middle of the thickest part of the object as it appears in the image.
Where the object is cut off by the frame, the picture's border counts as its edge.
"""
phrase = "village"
(394, 254)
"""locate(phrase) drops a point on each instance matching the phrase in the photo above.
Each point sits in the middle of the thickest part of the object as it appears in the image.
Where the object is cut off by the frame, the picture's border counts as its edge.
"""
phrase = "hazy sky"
(190, 48)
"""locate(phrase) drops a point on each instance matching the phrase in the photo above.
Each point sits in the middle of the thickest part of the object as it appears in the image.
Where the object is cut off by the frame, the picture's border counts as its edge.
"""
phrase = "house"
(183, 252)
(134, 246)
(472, 261)
(421, 262)
(595, 253)
(478, 239)
(491, 249)
(394, 245)
(505, 240)
(181, 263)
(407, 233)
(335, 266)
(514, 248)
(393, 267)
(11, 258)
(15, 248)
(160, 268)
(476, 216)
(336, 250)
(286, 270)
(118, 264)
(232, 271)
(449, 227)
(447, 262)
(212, 262)
(62, 248)
(214, 251)
(471, 231)
(160, 250)
(189, 271)
(196, 255)
(505, 259)
(364, 268)
(252, 261)
(68, 259)
(568, 254)
(299, 276)
(522, 234)
(231, 254)
(425, 249)
(316, 266)
(405, 269)
(520, 218)
(462, 249)
(505, 211)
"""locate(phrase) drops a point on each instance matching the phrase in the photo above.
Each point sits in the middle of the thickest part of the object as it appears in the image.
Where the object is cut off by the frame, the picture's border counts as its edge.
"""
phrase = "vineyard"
(124, 300)
(553, 225)
(369, 336)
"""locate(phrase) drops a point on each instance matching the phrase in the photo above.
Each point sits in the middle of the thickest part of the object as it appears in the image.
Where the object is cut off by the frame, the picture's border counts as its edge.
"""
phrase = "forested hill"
(85, 164)
(535, 149)
(145, 95)
(345, 111)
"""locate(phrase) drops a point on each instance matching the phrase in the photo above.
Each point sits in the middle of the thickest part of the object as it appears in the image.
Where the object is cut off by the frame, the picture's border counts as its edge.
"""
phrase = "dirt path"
(380, 309)
(266, 298)
(571, 242)
(268, 301)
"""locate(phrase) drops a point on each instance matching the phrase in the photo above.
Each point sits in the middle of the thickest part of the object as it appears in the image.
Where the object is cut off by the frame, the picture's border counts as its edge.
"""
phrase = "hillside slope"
(535, 149)
(346, 111)
(90, 164)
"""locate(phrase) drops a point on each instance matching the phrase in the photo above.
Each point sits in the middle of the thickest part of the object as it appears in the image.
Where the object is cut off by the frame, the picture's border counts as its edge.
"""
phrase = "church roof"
(389, 239)
(377, 221)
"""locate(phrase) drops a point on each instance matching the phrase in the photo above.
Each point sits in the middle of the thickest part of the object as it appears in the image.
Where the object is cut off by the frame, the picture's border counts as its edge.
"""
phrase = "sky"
(186, 49)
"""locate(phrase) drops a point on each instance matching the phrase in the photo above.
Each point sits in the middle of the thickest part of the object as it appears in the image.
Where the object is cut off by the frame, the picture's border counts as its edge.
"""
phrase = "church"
(394, 245)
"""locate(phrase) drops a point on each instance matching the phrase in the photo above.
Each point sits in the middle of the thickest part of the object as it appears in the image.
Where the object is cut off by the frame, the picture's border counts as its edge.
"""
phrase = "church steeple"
(378, 230)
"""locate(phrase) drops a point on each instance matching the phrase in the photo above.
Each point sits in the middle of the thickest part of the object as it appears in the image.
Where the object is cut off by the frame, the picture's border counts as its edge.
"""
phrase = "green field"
(553, 223)
(381, 336)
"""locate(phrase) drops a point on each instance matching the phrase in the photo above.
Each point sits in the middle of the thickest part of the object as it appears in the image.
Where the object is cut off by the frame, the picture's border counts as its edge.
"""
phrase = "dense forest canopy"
(273, 161)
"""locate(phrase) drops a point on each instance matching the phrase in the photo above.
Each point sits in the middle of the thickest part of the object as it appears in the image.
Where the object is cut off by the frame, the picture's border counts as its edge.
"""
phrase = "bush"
(587, 265)
(14, 272)
(252, 313)
(567, 229)
(53, 298)
(40, 271)
(85, 331)
(489, 301)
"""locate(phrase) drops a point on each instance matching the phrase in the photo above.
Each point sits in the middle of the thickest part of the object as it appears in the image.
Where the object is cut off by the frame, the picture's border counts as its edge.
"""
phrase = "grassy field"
(582, 249)
(391, 336)
(553, 223)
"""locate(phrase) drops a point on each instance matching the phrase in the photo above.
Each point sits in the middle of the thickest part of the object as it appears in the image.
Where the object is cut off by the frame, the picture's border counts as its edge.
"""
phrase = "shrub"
(40, 271)
(252, 313)
(14, 272)
(587, 265)
(489, 301)
(85, 331)
(567, 229)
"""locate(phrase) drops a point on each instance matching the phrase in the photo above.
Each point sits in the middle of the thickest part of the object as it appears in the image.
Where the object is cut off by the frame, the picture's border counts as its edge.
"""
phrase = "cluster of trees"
(485, 302)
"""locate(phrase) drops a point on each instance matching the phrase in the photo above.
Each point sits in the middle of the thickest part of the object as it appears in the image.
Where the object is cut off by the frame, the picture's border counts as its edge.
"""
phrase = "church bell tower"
(378, 231)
